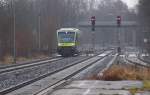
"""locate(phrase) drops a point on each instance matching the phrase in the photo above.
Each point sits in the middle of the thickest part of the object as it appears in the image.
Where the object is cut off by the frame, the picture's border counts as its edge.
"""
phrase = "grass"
(9, 59)
(126, 72)
(146, 87)
(123, 72)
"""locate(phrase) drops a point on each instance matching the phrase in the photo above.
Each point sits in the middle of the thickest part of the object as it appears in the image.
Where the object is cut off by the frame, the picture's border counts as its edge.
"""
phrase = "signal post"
(118, 32)
(93, 19)
(118, 36)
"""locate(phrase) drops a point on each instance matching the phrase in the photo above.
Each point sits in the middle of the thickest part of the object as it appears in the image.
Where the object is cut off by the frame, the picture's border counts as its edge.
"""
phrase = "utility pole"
(39, 32)
(39, 26)
(14, 30)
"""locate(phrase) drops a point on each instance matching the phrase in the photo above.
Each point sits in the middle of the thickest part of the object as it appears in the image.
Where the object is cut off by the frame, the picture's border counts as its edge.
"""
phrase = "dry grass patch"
(9, 59)
(146, 85)
(123, 72)
(126, 72)
(39, 55)
(22, 59)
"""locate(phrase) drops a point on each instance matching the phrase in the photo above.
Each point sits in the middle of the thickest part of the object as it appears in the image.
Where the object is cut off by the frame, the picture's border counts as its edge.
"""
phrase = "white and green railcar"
(68, 41)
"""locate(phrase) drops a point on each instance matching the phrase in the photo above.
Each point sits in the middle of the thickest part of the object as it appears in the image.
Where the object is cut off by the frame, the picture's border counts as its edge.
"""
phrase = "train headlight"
(73, 44)
(60, 44)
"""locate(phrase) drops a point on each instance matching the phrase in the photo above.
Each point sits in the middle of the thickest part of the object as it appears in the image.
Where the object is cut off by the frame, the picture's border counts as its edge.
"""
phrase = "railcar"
(67, 41)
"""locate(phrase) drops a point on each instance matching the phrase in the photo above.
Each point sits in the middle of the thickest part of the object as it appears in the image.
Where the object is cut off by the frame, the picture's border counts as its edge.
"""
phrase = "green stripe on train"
(66, 44)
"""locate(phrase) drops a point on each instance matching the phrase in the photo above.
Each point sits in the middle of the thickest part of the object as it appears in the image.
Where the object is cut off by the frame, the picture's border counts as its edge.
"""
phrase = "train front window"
(66, 37)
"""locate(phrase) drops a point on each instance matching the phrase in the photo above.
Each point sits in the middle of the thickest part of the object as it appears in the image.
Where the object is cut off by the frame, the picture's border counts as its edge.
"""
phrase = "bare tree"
(34, 18)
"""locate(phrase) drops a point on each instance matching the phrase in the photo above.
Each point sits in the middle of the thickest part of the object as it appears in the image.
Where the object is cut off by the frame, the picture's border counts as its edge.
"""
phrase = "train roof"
(69, 29)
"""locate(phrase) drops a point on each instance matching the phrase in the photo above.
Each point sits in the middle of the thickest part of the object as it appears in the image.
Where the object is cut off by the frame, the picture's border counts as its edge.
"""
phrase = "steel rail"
(67, 79)
(27, 62)
(27, 65)
(137, 64)
(13, 88)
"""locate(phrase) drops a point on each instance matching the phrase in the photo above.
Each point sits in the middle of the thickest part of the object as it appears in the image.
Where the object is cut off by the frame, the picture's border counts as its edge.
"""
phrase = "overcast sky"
(131, 3)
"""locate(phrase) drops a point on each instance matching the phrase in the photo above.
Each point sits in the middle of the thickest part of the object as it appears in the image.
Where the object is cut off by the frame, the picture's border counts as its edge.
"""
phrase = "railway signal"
(119, 21)
(93, 19)
(118, 24)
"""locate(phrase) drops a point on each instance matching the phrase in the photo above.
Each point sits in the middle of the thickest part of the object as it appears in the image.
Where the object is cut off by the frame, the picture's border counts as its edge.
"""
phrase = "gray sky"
(131, 3)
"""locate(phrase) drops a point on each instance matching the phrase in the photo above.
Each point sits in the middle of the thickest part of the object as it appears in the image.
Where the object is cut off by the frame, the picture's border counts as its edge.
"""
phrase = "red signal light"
(93, 19)
(118, 20)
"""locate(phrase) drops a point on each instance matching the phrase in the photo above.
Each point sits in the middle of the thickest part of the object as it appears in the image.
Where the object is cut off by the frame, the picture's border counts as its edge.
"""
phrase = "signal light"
(119, 20)
(93, 19)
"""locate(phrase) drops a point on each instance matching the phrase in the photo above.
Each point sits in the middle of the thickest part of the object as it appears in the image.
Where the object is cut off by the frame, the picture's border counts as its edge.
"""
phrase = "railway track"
(25, 63)
(61, 83)
(14, 67)
(78, 65)
(7, 68)
(137, 61)
(19, 76)
(142, 59)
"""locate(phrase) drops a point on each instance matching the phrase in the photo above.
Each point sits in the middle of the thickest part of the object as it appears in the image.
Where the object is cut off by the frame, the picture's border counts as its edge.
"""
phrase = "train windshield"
(66, 37)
